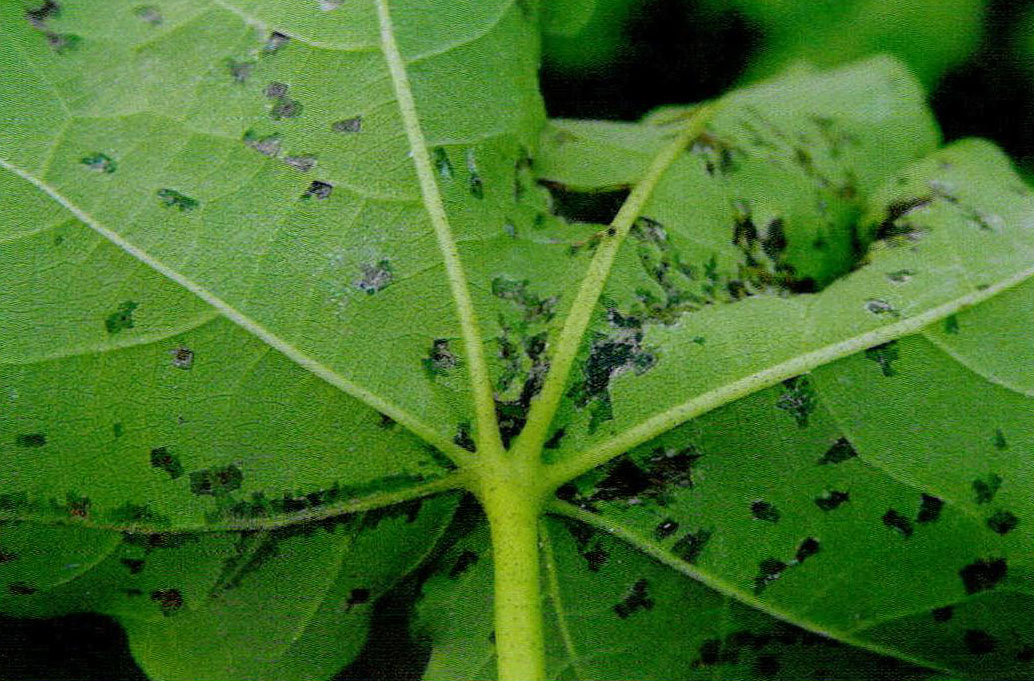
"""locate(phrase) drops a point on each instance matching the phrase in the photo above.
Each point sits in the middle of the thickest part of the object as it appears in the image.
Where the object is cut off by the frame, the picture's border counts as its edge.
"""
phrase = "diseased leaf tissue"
(282, 280)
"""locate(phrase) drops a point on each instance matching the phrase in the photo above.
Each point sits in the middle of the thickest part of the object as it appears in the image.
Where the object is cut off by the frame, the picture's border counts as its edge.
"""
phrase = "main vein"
(733, 390)
(252, 326)
(488, 436)
(546, 403)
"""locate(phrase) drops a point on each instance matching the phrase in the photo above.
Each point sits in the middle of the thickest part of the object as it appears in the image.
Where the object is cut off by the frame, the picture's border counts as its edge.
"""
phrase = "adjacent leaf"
(289, 603)
(615, 613)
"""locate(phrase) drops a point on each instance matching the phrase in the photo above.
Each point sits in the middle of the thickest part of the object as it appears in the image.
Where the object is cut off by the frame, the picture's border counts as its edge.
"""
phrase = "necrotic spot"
(832, 499)
(808, 548)
(464, 562)
(31, 440)
(303, 163)
(169, 600)
(985, 489)
(691, 545)
(182, 358)
(929, 509)
(979, 642)
(637, 599)
(769, 570)
(894, 520)
(165, 460)
(762, 510)
(319, 190)
(1003, 522)
(463, 437)
(134, 565)
(172, 198)
(275, 41)
(982, 575)
(374, 277)
(216, 481)
(102, 163)
(798, 399)
(122, 318)
(348, 125)
(596, 558)
(440, 360)
(838, 453)
(665, 529)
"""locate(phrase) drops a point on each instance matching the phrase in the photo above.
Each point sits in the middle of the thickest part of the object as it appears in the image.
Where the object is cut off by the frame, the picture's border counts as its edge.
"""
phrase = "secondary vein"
(543, 408)
(488, 436)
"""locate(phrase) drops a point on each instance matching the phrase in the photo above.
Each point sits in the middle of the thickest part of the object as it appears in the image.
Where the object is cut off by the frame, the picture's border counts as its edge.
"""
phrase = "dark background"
(632, 56)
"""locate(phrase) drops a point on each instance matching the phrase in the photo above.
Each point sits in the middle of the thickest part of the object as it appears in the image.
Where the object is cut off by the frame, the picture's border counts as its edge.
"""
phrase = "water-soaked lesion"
(100, 162)
(170, 198)
(1003, 522)
(839, 452)
(164, 460)
(122, 318)
(986, 487)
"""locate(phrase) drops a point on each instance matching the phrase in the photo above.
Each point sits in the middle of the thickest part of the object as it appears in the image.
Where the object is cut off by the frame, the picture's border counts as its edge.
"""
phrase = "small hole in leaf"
(1003, 522)
(31, 440)
(894, 520)
(348, 125)
(171, 198)
(122, 318)
(982, 575)
(102, 163)
(319, 190)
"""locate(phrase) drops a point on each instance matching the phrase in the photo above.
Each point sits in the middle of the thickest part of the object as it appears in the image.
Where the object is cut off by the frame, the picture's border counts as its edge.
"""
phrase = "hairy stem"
(513, 511)
(529, 443)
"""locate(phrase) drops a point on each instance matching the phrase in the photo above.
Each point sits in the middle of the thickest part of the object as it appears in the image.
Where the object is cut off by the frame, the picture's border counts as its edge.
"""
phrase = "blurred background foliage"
(618, 59)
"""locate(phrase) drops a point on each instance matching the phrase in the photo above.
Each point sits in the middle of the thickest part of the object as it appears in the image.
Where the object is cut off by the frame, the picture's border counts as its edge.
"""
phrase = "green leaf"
(567, 17)
(274, 272)
(608, 604)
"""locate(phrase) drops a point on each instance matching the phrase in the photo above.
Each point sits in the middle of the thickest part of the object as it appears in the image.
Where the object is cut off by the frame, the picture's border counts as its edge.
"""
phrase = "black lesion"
(896, 521)
(637, 599)
(169, 600)
(1003, 522)
(464, 437)
(979, 642)
(983, 574)
(840, 451)
(595, 207)
(664, 472)
(985, 488)
(930, 508)
(764, 510)
(358, 596)
(769, 570)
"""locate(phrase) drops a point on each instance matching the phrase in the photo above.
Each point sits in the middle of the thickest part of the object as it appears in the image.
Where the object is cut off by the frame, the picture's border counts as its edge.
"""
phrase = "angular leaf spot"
(275, 41)
(880, 307)
(985, 489)
(31, 440)
(769, 570)
(348, 125)
(169, 600)
(982, 575)
(465, 561)
(951, 324)
(762, 510)
(979, 642)
(102, 163)
(319, 190)
(943, 614)
(172, 198)
(463, 437)
(832, 499)
(808, 548)
(303, 163)
(838, 453)
(163, 459)
(1000, 442)
(182, 358)
(440, 359)
(894, 520)
(357, 597)
(1003, 522)
(665, 529)
(929, 509)
(374, 277)
(884, 355)
(798, 399)
(268, 145)
(216, 481)
(122, 318)
(637, 599)
(691, 545)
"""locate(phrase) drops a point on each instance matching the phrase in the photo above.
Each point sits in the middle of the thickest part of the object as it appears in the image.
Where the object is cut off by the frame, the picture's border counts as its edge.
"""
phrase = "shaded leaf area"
(210, 142)
(292, 603)
(926, 224)
(603, 615)
(863, 521)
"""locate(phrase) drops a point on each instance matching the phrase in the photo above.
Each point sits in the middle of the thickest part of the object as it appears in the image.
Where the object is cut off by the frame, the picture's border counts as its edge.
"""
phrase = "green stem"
(513, 508)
